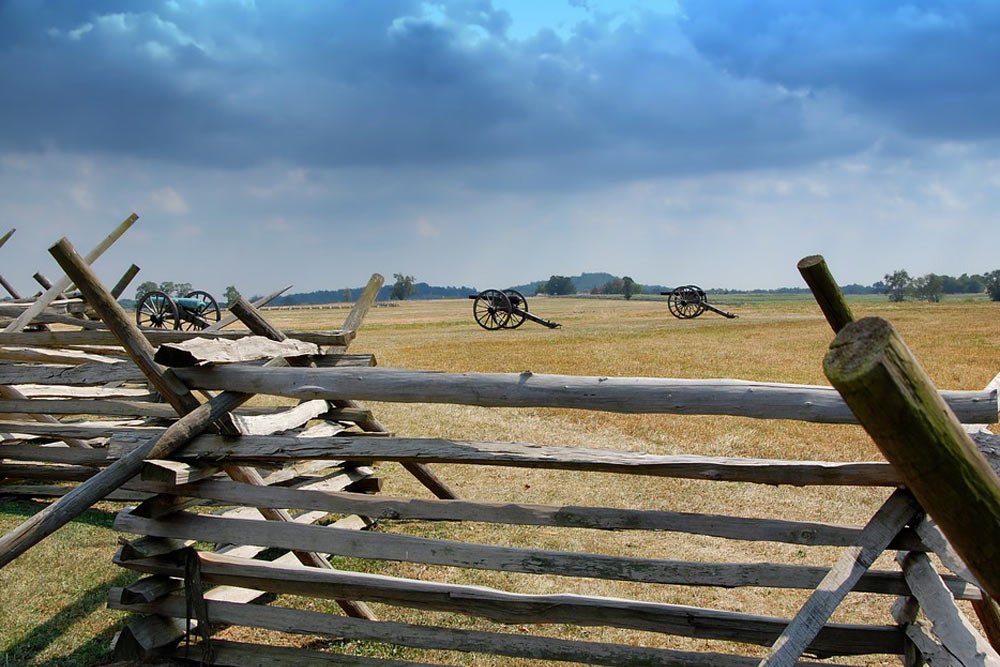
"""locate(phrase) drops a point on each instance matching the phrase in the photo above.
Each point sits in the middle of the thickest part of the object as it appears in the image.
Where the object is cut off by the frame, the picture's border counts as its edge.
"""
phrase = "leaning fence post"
(898, 405)
(826, 291)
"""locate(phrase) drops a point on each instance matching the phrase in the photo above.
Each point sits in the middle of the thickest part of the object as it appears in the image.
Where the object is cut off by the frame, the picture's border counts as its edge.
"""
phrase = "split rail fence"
(206, 455)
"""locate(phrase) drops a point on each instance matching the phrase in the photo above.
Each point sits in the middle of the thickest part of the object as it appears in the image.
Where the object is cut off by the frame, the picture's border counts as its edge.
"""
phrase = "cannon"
(504, 309)
(689, 301)
(194, 311)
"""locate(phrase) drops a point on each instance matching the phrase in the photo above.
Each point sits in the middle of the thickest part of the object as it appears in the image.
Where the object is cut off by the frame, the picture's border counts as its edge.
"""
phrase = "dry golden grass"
(773, 340)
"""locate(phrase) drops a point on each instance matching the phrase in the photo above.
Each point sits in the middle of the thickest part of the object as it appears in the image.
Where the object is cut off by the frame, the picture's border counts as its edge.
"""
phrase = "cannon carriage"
(194, 311)
(689, 301)
(504, 309)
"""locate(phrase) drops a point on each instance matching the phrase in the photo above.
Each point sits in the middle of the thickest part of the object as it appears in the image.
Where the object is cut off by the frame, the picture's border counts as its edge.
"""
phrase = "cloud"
(928, 69)
(82, 197)
(169, 200)
(347, 85)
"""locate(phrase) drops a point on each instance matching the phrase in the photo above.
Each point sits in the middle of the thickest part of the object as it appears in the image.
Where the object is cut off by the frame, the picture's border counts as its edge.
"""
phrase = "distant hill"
(584, 283)
(421, 291)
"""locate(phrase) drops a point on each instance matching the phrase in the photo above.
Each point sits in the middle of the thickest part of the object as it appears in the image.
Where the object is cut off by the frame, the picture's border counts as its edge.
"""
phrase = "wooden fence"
(188, 472)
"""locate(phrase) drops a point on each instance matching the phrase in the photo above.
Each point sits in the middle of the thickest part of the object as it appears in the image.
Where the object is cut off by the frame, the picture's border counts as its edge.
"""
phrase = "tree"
(557, 285)
(231, 294)
(929, 287)
(630, 287)
(992, 282)
(145, 288)
(614, 286)
(346, 294)
(896, 284)
(169, 288)
(403, 287)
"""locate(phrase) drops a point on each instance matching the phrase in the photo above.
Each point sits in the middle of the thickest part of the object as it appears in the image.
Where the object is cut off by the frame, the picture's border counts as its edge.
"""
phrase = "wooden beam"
(916, 431)
(123, 282)
(479, 601)
(381, 546)
(238, 654)
(154, 336)
(884, 640)
(741, 398)
(123, 328)
(826, 291)
(229, 319)
(947, 621)
(851, 567)
(199, 351)
(127, 408)
(601, 518)
(10, 288)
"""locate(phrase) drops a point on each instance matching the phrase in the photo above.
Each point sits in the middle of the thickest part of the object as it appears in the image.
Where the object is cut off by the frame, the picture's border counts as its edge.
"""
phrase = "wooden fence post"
(826, 291)
(900, 408)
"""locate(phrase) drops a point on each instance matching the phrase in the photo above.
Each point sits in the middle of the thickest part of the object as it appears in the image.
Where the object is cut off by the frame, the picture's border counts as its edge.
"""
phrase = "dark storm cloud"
(931, 68)
(394, 83)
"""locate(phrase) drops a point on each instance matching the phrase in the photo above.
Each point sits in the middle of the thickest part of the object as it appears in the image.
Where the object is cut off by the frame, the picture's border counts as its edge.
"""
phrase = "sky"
(490, 143)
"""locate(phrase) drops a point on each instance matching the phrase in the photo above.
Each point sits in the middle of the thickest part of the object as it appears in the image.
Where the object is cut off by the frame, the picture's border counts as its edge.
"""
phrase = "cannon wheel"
(206, 314)
(491, 309)
(517, 301)
(686, 302)
(156, 310)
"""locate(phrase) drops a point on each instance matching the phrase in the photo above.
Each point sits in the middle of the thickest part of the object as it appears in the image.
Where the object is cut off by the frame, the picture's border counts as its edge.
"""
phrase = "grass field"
(52, 599)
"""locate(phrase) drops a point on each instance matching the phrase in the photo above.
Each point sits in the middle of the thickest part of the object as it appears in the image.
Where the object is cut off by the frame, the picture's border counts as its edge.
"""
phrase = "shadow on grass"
(25, 650)
(26, 508)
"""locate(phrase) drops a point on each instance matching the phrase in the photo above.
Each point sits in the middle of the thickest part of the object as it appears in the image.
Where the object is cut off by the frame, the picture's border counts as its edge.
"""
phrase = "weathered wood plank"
(155, 337)
(89, 373)
(947, 621)
(53, 356)
(52, 454)
(323, 539)
(282, 421)
(58, 471)
(237, 654)
(916, 431)
(78, 430)
(126, 408)
(601, 518)
(229, 319)
(65, 391)
(438, 450)
(489, 603)
(614, 394)
(59, 491)
(200, 351)
(175, 472)
(418, 636)
(850, 568)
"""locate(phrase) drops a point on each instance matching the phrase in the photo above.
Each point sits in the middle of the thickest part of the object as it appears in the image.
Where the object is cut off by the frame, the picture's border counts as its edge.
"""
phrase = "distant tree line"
(899, 285)
(171, 289)
(624, 286)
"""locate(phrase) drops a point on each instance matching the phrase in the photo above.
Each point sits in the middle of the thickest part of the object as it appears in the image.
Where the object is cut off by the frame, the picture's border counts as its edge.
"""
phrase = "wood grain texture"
(947, 622)
(439, 450)
(432, 637)
(322, 539)
(850, 568)
(744, 398)
(900, 408)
